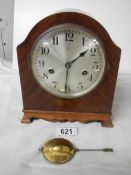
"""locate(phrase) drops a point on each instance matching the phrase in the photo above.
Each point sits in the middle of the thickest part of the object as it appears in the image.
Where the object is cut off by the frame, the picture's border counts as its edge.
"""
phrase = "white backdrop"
(115, 16)
(7, 13)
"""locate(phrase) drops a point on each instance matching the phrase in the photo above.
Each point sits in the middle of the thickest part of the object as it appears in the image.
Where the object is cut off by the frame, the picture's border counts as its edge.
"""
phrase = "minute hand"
(81, 55)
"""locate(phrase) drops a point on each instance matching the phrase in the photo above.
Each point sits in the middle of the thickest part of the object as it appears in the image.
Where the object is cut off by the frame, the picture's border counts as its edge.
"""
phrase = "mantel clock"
(68, 68)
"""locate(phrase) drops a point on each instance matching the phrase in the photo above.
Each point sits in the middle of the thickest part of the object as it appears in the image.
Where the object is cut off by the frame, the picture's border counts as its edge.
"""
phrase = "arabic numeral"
(54, 84)
(45, 75)
(69, 36)
(41, 63)
(80, 86)
(68, 89)
(55, 40)
(45, 50)
(91, 77)
(83, 41)
(96, 66)
(66, 131)
(93, 51)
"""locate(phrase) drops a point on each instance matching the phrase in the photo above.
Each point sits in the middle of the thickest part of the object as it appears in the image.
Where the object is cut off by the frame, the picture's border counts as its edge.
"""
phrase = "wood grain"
(30, 115)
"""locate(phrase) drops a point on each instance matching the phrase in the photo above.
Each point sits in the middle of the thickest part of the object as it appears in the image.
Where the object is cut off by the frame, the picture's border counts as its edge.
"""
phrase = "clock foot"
(26, 119)
(107, 123)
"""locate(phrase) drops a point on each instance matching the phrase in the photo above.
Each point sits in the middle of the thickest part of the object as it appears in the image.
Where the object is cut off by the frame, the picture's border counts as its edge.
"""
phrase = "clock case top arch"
(96, 105)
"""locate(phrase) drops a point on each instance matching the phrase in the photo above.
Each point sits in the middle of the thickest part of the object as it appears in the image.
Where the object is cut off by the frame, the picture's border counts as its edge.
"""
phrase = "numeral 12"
(69, 36)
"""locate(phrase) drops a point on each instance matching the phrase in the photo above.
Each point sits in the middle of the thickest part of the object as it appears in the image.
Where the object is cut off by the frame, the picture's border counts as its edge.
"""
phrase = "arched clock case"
(87, 93)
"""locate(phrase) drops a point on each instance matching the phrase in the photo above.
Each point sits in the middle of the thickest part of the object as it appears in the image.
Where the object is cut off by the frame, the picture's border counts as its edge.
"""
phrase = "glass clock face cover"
(68, 61)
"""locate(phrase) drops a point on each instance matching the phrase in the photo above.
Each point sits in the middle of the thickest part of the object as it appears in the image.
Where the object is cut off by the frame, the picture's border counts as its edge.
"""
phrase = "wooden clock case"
(95, 106)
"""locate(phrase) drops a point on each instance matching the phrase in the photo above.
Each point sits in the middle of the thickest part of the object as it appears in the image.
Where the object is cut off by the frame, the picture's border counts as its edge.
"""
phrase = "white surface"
(115, 16)
(7, 13)
(19, 143)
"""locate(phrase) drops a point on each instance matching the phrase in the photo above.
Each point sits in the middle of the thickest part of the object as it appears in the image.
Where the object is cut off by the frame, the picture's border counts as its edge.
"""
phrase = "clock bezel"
(92, 87)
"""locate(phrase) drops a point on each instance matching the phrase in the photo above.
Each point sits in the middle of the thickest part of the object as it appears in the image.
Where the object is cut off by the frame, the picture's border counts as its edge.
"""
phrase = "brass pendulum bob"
(59, 150)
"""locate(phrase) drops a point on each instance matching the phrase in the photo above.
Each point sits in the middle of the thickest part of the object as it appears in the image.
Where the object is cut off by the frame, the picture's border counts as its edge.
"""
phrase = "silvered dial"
(68, 61)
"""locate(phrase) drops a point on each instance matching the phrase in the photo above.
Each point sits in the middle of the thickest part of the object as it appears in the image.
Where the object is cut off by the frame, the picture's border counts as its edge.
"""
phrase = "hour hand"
(81, 55)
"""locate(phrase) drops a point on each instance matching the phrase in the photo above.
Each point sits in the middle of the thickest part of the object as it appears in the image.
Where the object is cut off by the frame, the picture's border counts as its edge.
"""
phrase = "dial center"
(67, 65)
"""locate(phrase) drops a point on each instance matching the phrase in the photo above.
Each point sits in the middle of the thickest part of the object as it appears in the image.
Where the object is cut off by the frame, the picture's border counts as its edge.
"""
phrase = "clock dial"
(68, 61)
